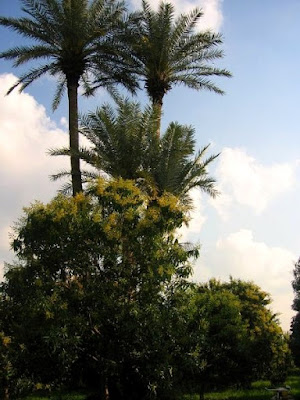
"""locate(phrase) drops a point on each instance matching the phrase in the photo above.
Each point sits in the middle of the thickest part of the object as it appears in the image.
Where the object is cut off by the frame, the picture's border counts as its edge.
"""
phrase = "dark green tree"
(170, 52)
(77, 41)
(210, 357)
(232, 337)
(266, 352)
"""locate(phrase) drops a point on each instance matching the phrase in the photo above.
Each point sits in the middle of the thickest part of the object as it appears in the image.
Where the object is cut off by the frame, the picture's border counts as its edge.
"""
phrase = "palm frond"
(27, 53)
(183, 27)
(27, 78)
(63, 151)
(26, 28)
(196, 82)
(45, 13)
(59, 175)
(66, 189)
(59, 92)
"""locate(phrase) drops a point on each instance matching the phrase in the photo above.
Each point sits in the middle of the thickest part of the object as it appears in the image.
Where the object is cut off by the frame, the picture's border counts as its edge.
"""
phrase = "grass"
(256, 392)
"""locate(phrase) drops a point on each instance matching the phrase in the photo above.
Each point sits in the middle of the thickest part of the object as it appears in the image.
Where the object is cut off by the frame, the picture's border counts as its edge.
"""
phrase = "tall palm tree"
(124, 144)
(78, 41)
(170, 53)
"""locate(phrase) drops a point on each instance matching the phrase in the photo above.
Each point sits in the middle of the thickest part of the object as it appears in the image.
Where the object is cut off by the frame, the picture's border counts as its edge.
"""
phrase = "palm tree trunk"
(157, 106)
(74, 136)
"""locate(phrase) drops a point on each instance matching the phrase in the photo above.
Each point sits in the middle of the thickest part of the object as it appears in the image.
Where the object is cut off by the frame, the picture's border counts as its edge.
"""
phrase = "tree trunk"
(74, 135)
(201, 391)
(106, 392)
(157, 106)
(6, 393)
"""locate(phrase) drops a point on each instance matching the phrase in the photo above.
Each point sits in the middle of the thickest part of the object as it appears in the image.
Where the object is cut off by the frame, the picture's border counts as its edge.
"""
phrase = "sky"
(251, 231)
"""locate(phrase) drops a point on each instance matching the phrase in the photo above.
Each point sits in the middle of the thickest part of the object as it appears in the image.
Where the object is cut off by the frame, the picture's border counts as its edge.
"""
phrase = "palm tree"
(78, 42)
(179, 169)
(124, 144)
(170, 52)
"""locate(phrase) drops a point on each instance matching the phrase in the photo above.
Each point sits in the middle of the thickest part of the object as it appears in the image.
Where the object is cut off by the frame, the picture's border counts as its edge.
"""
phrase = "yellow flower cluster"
(120, 191)
(111, 227)
(6, 340)
(170, 201)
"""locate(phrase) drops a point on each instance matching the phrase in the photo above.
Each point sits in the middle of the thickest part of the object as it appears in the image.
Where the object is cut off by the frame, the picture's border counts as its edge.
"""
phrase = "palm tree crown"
(170, 52)
(125, 144)
(78, 41)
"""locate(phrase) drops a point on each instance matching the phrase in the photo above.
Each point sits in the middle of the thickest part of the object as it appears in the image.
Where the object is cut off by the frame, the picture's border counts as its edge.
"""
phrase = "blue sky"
(251, 230)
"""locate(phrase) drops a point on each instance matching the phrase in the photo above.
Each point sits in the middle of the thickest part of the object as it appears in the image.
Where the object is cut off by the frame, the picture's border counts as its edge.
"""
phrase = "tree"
(296, 286)
(77, 40)
(90, 281)
(233, 337)
(295, 325)
(267, 350)
(295, 339)
(125, 144)
(210, 339)
(170, 52)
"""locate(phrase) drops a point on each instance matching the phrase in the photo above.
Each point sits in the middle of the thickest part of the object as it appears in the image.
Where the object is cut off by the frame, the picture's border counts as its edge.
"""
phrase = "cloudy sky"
(251, 230)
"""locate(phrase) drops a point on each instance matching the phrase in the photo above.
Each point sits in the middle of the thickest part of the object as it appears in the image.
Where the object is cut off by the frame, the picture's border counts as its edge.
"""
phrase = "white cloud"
(197, 218)
(212, 14)
(245, 181)
(212, 11)
(26, 133)
(240, 256)
(64, 122)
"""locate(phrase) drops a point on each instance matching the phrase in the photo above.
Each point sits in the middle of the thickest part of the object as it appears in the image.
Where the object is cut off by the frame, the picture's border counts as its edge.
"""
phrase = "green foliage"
(87, 302)
(100, 298)
(267, 350)
(234, 338)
